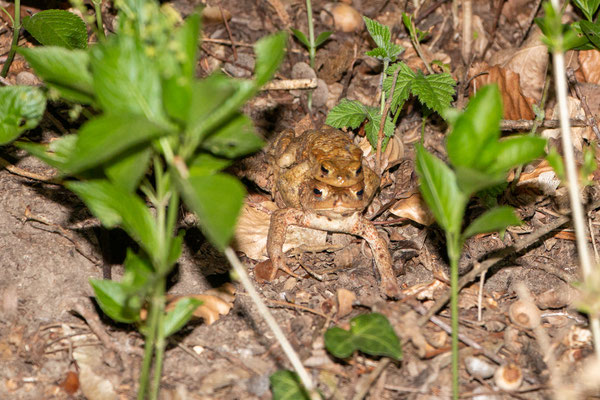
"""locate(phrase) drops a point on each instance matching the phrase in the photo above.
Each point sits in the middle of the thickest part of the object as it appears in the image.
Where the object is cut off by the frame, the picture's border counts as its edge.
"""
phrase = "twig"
(517, 247)
(534, 11)
(298, 306)
(380, 135)
(586, 108)
(268, 317)
(526, 125)
(291, 84)
(364, 384)
(428, 10)
(228, 32)
(26, 174)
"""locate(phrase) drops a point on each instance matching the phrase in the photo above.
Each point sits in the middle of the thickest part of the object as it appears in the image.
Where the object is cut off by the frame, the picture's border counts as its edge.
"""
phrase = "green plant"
(579, 35)
(310, 43)
(480, 159)
(152, 114)
(435, 91)
(16, 27)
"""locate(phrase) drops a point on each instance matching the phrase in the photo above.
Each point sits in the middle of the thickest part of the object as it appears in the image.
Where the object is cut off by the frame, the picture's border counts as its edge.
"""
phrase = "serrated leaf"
(494, 220)
(323, 36)
(126, 80)
(57, 28)
(440, 190)
(21, 108)
(114, 206)
(435, 91)
(116, 301)
(64, 70)
(378, 53)
(107, 136)
(285, 385)
(403, 84)
(592, 32)
(369, 333)
(235, 139)
(217, 201)
(269, 51)
(348, 113)
(301, 37)
(373, 125)
(380, 33)
(588, 7)
(180, 315)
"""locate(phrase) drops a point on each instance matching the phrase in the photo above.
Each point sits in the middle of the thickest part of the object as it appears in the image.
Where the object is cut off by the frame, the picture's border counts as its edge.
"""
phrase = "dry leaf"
(212, 14)
(575, 112)
(542, 179)
(557, 298)
(425, 291)
(589, 65)
(264, 271)
(211, 309)
(414, 208)
(345, 299)
(393, 153)
(281, 12)
(516, 105)
(529, 62)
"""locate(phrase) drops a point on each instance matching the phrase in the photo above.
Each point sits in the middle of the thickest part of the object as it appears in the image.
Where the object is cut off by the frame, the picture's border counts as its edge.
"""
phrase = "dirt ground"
(55, 343)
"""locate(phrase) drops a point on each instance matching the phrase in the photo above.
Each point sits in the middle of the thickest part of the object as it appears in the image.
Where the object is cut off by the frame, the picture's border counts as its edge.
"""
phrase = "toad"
(316, 204)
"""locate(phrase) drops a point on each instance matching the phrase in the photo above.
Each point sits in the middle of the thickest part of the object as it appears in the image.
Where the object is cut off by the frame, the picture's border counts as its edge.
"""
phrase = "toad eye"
(360, 192)
(317, 192)
(359, 170)
(324, 170)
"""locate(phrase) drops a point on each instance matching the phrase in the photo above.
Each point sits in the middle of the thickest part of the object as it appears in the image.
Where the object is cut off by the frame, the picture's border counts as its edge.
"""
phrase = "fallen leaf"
(345, 299)
(579, 134)
(542, 179)
(393, 153)
(516, 105)
(212, 14)
(215, 302)
(414, 208)
(589, 65)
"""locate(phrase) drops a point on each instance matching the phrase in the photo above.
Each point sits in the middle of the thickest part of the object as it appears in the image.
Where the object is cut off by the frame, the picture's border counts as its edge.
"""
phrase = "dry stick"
(467, 30)
(586, 108)
(517, 247)
(290, 84)
(26, 174)
(364, 384)
(268, 317)
(228, 33)
(386, 109)
(536, 7)
(527, 125)
(572, 181)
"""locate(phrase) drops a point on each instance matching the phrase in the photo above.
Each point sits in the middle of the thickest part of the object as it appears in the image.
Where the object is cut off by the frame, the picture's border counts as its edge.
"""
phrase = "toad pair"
(322, 183)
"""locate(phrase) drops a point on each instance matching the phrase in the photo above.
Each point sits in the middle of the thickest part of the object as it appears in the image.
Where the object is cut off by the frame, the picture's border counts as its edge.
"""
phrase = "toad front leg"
(354, 224)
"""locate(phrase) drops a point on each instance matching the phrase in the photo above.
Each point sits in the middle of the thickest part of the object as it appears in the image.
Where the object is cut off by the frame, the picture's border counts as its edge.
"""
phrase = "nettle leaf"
(64, 70)
(348, 113)
(114, 206)
(373, 125)
(21, 108)
(216, 200)
(494, 220)
(116, 300)
(475, 128)
(380, 33)
(235, 139)
(378, 53)
(301, 37)
(435, 91)
(369, 333)
(57, 28)
(323, 36)
(285, 385)
(126, 80)
(269, 51)
(592, 32)
(180, 315)
(403, 84)
(588, 7)
(440, 190)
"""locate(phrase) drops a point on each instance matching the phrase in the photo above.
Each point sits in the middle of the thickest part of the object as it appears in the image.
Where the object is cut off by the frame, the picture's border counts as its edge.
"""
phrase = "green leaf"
(378, 53)
(116, 301)
(67, 71)
(180, 315)
(128, 170)
(138, 272)
(440, 190)
(574, 38)
(217, 201)
(235, 139)
(588, 7)
(592, 32)
(21, 108)
(380, 33)
(556, 162)
(471, 180)
(109, 135)
(348, 113)
(269, 51)
(435, 91)
(56, 154)
(517, 150)
(301, 37)
(175, 248)
(496, 219)
(323, 36)
(372, 127)
(206, 164)
(476, 128)
(126, 81)
(114, 206)
(370, 333)
(57, 28)
(286, 385)
(403, 84)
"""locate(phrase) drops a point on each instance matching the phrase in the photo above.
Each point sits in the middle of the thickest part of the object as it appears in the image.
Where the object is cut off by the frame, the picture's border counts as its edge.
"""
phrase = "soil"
(51, 247)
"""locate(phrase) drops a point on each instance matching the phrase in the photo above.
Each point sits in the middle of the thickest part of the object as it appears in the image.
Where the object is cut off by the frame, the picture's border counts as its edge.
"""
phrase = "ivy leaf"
(57, 28)
(21, 108)
(403, 84)
(435, 91)
(496, 219)
(369, 333)
(348, 113)
(286, 385)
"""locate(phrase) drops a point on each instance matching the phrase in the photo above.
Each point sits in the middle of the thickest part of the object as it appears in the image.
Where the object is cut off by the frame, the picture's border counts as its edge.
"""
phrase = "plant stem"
(386, 63)
(158, 302)
(453, 247)
(572, 181)
(148, 351)
(15, 39)
(99, 24)
(311, 48)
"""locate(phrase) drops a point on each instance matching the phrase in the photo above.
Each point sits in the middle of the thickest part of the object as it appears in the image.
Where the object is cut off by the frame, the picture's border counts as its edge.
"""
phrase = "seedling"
(480, 159)
(152, 112)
